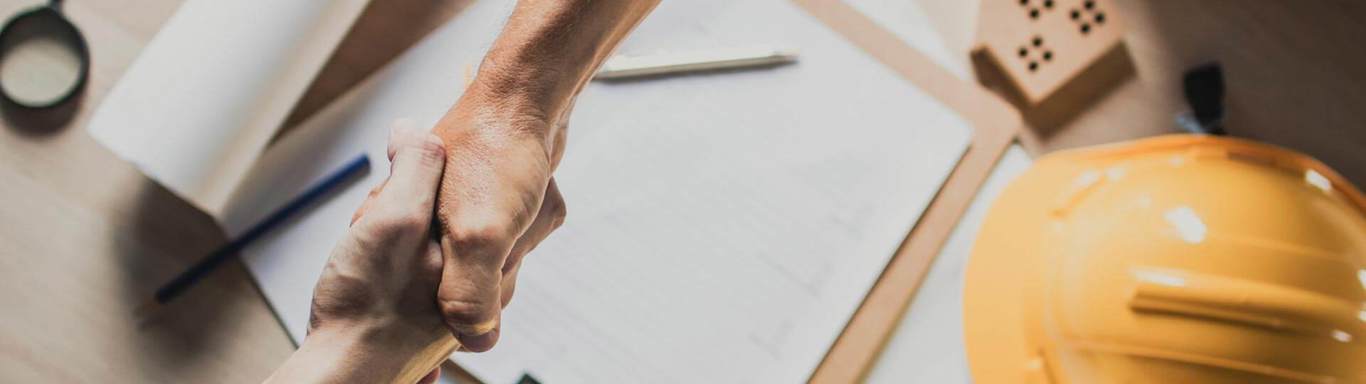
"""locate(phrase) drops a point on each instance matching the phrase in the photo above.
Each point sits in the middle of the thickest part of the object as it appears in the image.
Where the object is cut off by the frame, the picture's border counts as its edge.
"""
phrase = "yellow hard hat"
(1176, 259)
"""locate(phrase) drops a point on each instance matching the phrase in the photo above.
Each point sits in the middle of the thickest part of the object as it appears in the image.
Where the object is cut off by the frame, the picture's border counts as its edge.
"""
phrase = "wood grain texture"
(84, 238)
(1293, 78)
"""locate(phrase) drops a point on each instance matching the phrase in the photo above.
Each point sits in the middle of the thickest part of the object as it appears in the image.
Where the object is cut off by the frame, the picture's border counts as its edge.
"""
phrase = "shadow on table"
(1292, 75)
(156, 240)
(384, 31)
(41, 122)
(160, 234)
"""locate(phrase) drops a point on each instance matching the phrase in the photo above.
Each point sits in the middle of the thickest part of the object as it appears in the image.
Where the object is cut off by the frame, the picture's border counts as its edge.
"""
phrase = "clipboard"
(996, 124)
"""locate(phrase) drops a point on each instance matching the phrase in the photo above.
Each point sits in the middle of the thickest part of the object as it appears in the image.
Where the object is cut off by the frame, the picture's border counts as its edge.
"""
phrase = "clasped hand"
(400, 290)
(432, 255)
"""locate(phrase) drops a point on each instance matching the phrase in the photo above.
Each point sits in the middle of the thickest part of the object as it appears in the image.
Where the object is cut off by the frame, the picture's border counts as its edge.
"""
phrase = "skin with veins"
(504, 138)
(484, 172)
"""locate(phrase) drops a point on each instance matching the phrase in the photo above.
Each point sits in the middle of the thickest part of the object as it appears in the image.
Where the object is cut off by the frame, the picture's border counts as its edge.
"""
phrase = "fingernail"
(484, 328)
(476, 329)
(479, 343)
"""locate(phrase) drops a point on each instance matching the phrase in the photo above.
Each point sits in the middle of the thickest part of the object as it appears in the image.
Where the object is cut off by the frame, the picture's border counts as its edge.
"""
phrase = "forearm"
(364, 356)
(547, 51)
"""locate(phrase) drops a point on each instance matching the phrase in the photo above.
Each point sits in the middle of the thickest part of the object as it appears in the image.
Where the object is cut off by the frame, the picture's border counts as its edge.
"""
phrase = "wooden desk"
(84, 237)
(1291, 74)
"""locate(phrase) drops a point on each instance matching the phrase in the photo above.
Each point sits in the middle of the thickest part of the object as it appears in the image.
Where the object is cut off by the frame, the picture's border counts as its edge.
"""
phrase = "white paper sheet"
(927, 346)
(907, 19)
(200, 103)
(420, 85)
(723, 227)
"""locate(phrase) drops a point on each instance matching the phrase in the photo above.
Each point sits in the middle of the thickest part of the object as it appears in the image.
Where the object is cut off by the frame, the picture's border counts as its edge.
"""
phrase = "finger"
(479, 236)
(391, 151)
(549, 218)
(417, 160)
(484, 341)
(401, 124)
(509, 287)
(493, 186)
(469, 291)
(398, 213)
(365, 205)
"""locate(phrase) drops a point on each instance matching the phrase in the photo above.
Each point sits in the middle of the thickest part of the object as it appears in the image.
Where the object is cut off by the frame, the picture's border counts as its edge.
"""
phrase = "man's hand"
(497, 203)
(503, 139)
(374, 316)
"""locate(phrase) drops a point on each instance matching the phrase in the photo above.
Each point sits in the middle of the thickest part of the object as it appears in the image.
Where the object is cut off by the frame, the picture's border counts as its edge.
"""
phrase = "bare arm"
(505, 136)
(547, 51)
(374, 318)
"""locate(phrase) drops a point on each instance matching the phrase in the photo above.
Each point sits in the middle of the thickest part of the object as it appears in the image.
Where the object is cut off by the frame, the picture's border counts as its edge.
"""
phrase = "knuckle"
(410, 222)
(427, 146)
(465, 315)
(558, 213)
(341, 293)
(484, 236)
(393, 223)
(430, 149)
(507, 295)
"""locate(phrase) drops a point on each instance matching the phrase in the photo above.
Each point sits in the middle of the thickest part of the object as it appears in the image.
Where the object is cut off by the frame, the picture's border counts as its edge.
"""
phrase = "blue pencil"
(314, 193)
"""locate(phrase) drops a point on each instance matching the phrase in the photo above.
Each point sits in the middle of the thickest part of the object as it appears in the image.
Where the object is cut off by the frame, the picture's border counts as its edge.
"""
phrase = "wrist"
(525, 88)
(550, 48)
(515, 102)
(373, 338)
(369, 353)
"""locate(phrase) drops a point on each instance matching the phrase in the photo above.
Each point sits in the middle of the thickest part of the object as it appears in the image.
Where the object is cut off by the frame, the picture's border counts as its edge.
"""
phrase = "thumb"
(417, 159)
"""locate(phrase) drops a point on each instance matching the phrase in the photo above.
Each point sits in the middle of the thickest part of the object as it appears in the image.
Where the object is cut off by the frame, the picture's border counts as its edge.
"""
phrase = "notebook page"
(203, 99)
(723, 227)
(927, 346)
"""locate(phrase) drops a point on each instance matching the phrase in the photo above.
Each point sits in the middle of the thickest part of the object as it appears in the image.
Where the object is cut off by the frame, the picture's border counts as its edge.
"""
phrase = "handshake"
(439, 243)
(432, 254)
(446, 233)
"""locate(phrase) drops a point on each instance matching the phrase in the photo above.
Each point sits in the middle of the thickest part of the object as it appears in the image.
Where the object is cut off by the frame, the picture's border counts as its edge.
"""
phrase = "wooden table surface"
(1292, 77)
(84, 237)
